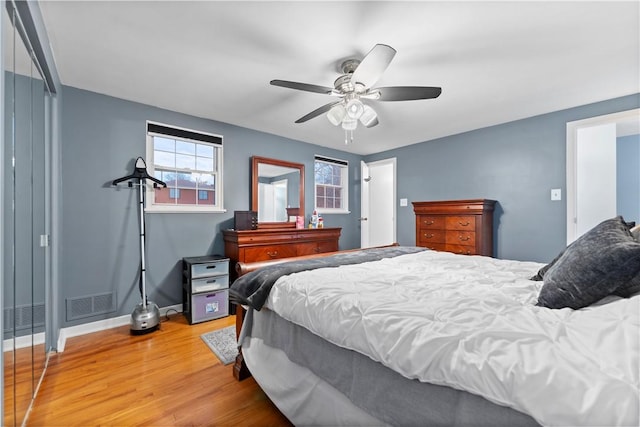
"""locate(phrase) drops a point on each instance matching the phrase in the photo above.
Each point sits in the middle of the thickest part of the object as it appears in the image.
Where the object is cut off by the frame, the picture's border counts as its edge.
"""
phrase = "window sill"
(183, 209)
(332, 212)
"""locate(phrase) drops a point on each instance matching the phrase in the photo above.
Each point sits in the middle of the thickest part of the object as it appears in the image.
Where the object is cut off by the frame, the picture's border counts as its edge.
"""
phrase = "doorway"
(592, 168)
(378, 203)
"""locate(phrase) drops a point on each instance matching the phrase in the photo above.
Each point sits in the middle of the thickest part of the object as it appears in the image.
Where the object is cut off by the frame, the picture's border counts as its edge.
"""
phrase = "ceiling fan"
(356, 84)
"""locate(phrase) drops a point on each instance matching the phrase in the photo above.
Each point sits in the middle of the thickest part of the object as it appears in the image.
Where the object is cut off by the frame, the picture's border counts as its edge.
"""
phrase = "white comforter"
(471, 323)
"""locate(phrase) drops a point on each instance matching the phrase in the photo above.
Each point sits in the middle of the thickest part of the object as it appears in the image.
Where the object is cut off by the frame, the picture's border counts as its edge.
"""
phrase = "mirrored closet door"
(24, 220)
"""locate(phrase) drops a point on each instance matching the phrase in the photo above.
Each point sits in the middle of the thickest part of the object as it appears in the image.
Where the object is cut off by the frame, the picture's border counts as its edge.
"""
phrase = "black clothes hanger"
(139, 173)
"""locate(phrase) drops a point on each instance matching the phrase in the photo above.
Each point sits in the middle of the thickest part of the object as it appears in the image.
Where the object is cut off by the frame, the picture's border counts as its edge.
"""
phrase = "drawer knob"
(464, 238)
(273, 254)
(464, 224)
(428, 222)
(428, 236)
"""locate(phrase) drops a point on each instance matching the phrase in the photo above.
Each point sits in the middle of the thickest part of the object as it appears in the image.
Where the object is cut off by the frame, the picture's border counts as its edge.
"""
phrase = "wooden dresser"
(273, 243)
(458, 226)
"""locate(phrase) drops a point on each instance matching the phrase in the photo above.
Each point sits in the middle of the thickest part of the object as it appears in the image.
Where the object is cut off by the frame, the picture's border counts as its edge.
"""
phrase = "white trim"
(102, 325)
(344, 187)
(181, 209)
(572, 133)
(22, 342)
(151, 207)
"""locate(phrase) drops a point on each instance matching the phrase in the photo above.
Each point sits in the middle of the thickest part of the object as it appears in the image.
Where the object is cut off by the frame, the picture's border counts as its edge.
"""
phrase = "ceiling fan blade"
(303, 86)
(373, 65)
(373, 123)
(407, 93)
(317, 112)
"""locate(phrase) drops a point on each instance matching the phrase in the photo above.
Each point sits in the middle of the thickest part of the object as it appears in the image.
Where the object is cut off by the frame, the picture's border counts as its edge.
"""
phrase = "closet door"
(24, 221)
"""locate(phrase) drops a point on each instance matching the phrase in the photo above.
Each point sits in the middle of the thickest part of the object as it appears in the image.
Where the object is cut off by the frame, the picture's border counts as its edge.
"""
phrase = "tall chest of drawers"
(458, 226)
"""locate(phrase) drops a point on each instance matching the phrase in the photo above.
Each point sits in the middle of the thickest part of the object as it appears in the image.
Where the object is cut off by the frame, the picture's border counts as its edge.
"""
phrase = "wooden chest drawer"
(466, 222)
(316, 247)
(461, 249)
(260, 253)
(431, 222)
(434, 246)
(427, 237)
(462, 237)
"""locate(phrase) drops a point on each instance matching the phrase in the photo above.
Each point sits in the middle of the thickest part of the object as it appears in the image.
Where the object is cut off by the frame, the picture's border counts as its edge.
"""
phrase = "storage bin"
(209, 305)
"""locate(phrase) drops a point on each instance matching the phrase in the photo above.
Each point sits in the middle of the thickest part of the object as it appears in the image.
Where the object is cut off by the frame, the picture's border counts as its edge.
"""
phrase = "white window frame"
(344, 185)
(152, 207)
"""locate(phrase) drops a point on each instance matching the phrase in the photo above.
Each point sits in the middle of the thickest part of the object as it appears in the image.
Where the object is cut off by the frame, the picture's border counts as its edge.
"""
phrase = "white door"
(378, 203)
(595, 176)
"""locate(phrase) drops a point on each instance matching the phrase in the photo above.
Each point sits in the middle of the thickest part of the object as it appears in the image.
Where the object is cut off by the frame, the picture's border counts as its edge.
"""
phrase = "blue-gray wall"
(628, 177)
(515, 163)
(101, 137)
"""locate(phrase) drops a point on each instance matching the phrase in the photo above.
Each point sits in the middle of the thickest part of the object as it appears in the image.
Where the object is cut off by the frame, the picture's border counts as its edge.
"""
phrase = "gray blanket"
(253, 288)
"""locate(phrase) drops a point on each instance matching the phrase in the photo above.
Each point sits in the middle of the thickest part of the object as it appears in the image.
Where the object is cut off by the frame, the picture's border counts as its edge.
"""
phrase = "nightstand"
(205, 288)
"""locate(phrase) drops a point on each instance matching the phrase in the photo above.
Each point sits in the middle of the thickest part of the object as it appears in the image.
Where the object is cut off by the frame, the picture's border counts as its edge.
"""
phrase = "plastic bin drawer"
(208, 284)
(209, 305)
(207, 269)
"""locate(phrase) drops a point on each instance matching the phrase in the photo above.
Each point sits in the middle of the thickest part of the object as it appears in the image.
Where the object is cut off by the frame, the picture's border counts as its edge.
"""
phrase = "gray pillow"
(602, 261)
(540, 274)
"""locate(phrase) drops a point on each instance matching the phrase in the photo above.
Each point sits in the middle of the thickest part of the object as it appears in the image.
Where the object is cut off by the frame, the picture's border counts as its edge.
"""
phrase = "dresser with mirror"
(277, 193)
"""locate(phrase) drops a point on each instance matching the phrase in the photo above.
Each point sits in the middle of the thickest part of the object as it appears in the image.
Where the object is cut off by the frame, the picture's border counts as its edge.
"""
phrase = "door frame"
(365, 196)
(629, 118)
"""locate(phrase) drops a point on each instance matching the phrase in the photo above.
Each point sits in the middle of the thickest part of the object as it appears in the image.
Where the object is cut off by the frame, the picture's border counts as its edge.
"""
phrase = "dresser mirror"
(277, 192)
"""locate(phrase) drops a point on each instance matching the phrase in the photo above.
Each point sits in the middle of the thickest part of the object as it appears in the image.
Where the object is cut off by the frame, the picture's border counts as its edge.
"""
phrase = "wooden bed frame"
(240, 370)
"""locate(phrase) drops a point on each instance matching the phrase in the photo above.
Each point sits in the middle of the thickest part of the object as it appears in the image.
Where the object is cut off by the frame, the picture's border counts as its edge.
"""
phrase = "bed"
(410, 336)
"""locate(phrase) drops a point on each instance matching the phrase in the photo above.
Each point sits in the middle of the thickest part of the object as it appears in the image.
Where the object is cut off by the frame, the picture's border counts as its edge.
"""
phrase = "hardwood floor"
(166, 378)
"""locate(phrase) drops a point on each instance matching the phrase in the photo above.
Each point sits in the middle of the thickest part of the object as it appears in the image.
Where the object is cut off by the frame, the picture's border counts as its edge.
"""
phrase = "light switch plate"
(403, 202)
(556, 194)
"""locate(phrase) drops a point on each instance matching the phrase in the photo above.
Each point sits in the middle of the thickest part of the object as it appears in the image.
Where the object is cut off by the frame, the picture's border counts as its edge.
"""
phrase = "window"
(331, 185)
(190, 163)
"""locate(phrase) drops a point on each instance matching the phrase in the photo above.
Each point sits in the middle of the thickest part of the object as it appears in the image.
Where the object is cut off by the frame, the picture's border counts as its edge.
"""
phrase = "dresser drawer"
(207, 284)
(259, 253)
(207, 269)
(316, 248)
(434, 246)
(461, 237)
(430, 222)
(426, 237)
(461, 249)
(466, 222)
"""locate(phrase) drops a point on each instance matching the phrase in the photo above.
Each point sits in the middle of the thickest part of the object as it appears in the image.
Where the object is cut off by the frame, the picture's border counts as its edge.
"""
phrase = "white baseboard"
(101, 325)
(23, 341)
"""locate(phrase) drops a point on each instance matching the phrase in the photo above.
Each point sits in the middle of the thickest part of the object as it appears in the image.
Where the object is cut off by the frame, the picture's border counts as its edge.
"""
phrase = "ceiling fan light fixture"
(336, 114)
(355, 108)
(349, 124)
(368, 116)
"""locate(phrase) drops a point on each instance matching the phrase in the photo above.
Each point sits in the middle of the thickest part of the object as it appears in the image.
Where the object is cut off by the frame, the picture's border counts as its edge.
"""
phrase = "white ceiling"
(495, 61)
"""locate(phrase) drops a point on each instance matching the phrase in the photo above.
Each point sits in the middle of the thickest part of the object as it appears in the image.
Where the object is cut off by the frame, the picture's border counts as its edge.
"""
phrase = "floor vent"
(87, 306)
(24, 317)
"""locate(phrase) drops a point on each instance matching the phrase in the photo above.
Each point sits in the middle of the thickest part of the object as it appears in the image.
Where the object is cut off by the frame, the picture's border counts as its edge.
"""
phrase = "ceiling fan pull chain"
(348, 137)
